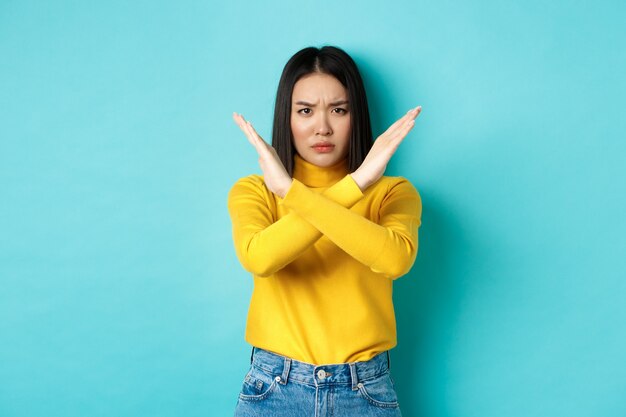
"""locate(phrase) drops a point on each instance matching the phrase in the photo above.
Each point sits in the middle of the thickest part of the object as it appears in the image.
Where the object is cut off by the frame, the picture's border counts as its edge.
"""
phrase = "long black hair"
(332, 61)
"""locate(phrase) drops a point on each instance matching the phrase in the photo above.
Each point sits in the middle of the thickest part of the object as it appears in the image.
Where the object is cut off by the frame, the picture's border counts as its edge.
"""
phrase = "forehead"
(318, 85)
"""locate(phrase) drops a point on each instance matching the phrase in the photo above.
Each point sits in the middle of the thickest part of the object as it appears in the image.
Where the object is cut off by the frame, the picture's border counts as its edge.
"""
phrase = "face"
(320, 119)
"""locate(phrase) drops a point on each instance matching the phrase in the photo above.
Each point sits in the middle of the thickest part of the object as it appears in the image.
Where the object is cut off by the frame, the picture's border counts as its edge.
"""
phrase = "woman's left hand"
(275, 175)
(375, 163)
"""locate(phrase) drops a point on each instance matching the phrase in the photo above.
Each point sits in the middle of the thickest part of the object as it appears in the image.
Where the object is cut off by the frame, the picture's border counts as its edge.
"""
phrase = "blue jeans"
(280, 386)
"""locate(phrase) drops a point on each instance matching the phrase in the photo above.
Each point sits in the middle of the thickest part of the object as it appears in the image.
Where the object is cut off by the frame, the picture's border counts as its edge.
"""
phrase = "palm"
(274, 173)
(382, 150)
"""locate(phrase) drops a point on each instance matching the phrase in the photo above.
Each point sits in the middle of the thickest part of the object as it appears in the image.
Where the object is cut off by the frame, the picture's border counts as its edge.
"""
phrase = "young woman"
(324, 235)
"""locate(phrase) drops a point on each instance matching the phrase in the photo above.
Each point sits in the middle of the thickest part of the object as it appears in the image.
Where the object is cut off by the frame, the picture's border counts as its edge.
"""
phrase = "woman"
(324, 234)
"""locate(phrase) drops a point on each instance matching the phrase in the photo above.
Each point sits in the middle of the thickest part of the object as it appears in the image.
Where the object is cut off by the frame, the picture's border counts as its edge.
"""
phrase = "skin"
(320, 114)
(325, 124)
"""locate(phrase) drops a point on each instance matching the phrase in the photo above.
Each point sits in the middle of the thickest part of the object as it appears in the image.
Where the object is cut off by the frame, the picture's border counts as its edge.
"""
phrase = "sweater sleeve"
(265, 245)
(388, 247)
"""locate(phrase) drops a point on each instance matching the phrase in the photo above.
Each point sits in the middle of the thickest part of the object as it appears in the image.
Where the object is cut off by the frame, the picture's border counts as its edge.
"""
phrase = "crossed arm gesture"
(265, 245)
(278, 181)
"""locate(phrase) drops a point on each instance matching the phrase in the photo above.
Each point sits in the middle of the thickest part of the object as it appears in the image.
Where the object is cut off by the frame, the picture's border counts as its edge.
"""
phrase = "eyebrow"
(334, 103)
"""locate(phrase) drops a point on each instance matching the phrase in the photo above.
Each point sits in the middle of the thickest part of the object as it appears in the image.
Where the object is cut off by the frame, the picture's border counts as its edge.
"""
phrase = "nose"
(322, 126)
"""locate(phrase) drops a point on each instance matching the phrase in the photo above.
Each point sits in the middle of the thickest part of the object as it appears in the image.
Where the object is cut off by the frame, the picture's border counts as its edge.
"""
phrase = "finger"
(407, 121)
(243, 126)
(253, 137)
(412, 114)
(402, 122)
(401, 133)
(260, 143)
(398, 135)
(238, 118)
(403, 129)
(254, 132)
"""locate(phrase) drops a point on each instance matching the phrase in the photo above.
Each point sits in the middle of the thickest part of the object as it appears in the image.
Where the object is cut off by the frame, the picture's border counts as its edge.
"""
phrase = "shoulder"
(396, 185)
(252, 185)
(399, 195)
(251, 182)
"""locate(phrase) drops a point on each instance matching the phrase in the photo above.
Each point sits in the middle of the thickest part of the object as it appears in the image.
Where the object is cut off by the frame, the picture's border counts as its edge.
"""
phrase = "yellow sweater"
(323, 260)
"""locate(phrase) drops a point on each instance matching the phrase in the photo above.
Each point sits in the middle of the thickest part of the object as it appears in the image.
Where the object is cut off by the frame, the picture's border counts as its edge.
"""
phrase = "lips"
(323, 147)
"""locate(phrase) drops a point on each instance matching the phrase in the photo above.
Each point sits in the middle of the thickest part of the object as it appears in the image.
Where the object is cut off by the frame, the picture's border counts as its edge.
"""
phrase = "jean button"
(321, 374)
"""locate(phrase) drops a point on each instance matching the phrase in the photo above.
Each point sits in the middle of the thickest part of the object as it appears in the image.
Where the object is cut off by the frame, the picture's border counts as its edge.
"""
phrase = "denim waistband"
(342, 373)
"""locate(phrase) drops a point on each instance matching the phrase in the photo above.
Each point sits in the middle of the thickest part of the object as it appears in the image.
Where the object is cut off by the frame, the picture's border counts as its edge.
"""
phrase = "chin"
(324, 160)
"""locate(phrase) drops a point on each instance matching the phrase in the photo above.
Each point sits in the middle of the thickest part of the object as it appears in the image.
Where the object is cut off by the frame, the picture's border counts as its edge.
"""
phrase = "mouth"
(323, 147)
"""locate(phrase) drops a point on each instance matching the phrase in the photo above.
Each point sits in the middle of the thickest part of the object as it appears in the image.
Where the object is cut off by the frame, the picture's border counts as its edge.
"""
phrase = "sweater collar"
(314, 176)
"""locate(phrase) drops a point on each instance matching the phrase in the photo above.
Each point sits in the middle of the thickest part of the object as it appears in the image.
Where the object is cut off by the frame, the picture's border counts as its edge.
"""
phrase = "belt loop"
(388, 361)
(251, 355)
(354, 376)
(286, 367)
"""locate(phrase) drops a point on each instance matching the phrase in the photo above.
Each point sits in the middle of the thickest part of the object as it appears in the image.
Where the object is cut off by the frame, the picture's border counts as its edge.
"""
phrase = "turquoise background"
(120, 292)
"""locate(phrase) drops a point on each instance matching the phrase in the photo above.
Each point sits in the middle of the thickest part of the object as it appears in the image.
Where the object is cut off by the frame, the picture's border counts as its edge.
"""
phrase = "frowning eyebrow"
(334, 103)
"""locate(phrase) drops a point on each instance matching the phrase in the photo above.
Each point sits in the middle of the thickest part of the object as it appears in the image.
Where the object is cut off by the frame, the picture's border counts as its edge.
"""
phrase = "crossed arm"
(264, 246)
(388, 246)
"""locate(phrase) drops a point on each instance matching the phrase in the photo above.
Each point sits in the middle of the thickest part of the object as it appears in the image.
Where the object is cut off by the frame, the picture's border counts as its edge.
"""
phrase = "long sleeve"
(265, 244)
(388, 246)
(324, 241)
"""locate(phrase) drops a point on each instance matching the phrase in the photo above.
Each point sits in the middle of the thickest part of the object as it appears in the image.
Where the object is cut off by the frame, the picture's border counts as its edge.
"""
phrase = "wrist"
(359, 179)
(285, 189)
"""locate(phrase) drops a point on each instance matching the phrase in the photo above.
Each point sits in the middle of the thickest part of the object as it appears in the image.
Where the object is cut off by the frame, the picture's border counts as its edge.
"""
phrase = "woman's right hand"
(374, 164)
(275, 175)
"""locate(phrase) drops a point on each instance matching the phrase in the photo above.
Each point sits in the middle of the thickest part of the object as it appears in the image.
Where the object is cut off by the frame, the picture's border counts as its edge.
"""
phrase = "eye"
(305, 110)
(340, 110)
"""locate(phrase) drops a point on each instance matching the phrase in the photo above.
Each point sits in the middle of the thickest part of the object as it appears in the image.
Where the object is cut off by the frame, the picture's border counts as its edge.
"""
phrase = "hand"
(275, 175)
(384, 147)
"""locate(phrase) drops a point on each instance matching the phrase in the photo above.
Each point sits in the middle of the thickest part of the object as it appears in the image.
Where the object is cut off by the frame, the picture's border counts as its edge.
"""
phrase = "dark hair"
(332, 61)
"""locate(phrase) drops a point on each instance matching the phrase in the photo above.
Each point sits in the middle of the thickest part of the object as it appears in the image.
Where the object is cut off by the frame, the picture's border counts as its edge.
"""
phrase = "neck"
(316, 176)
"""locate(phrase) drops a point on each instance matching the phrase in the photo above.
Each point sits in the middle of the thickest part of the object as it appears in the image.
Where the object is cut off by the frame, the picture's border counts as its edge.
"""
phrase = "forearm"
(388, 248)
(264, 247)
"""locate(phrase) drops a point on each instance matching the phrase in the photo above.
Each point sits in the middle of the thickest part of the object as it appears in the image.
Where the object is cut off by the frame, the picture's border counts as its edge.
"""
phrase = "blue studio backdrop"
(120, 292)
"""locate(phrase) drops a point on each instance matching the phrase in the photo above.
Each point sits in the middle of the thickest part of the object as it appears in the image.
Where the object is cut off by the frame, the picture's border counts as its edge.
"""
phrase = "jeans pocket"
(257, 384)
(379, 391)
